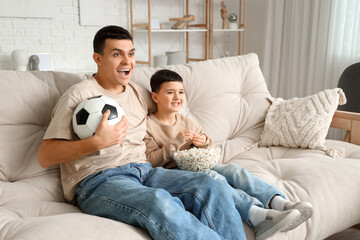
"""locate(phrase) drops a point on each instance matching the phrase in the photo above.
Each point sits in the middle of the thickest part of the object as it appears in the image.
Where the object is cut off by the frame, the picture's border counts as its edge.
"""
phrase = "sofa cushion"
(301, 122)
(311, 175)
(24, 118)
(59, 221)
(29, 98)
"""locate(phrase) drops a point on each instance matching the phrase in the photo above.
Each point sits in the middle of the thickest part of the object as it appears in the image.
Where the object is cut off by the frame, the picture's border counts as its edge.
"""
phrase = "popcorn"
(197, 159)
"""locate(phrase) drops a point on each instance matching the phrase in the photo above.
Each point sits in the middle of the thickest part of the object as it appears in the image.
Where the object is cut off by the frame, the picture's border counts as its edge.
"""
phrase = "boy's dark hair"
(162, 76)
(113, 32)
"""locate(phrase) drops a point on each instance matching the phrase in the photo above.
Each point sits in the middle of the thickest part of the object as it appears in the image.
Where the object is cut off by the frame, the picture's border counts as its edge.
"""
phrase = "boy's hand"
(109, 135)
(186, 135)
(198, 140)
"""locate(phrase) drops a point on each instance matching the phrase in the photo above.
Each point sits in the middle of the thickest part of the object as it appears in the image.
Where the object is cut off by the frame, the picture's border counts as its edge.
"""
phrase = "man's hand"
(198, 140)
(109, 135)
(57, 151)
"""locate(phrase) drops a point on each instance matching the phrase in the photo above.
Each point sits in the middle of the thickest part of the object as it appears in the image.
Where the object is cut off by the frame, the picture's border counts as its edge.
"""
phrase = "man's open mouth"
(124, 71)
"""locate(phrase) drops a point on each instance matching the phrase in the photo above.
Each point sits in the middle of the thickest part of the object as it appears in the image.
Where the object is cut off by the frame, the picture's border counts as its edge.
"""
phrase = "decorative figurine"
(34, 61)
(232, 19)
(224, 15)
(182, 22)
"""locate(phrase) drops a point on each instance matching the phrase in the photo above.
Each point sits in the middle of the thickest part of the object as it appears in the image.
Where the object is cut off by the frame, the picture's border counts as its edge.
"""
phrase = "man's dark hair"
(162, 76)
(113, 32)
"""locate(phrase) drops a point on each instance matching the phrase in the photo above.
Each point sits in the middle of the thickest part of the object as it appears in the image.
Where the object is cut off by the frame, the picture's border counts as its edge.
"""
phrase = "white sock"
(278, 203)
(257, 215)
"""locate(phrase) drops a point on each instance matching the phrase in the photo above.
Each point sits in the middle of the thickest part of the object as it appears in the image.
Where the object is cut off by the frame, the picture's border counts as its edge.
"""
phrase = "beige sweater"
(161, 140)
(131, 149)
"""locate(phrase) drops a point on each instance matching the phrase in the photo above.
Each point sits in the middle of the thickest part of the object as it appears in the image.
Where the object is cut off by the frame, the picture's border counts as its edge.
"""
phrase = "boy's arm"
(57, 151)
(202, 140)
(198, 132)
(160, 156)
(209, 142)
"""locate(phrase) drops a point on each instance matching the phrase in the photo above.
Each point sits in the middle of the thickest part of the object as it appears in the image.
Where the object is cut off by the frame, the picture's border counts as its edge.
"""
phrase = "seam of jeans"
(202, 201)
(129, 208)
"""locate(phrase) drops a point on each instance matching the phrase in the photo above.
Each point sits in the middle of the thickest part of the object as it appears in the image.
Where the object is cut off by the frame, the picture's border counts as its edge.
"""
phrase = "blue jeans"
(170, 204)
(248, 189)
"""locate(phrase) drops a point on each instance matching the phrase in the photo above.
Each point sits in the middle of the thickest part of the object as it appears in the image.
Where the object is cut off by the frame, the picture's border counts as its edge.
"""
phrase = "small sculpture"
(182, 22)
(232, 19)
(224, 15)
(34, 61)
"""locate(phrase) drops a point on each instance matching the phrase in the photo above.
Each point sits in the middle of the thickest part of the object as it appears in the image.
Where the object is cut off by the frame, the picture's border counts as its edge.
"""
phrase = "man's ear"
(154, 96)
(97, 58)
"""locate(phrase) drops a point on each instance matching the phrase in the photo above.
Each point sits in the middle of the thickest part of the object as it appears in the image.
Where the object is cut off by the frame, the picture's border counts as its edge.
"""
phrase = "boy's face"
(170, 97)
(116, 63)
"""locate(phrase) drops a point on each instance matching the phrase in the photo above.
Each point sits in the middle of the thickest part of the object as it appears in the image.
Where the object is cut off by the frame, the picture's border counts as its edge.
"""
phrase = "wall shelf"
(240, 30)
(228, 30)
(207, 28)
(199, 28)
(170, 30)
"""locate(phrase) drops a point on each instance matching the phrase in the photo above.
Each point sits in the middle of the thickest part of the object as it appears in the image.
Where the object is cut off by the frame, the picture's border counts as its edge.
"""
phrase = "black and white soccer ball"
(88, 114)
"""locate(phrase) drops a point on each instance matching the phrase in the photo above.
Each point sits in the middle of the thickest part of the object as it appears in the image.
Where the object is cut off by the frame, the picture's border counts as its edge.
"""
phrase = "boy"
(109, 174)
(168, 131)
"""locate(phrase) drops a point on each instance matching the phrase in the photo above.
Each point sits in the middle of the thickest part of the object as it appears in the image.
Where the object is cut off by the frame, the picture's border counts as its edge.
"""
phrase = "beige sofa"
(228, 97)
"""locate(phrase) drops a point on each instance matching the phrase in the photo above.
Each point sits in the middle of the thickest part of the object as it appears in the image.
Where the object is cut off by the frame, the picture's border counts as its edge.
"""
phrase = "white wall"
(71, 43)
(63, 36)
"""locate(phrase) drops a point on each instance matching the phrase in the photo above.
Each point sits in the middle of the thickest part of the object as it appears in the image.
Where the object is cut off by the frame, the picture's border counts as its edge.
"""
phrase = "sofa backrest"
(226, 96)
(27, 99)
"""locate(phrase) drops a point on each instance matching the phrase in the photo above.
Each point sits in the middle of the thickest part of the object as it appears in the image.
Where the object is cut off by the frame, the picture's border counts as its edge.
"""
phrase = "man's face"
(116, 64)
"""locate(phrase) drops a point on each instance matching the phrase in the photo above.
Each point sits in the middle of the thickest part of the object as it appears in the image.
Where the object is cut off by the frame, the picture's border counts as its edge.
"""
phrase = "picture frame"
(155, 24)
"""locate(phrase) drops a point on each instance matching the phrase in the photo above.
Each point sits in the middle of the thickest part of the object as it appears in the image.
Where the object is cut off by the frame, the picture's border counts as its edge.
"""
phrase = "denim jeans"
(248, 189)
(170, 204)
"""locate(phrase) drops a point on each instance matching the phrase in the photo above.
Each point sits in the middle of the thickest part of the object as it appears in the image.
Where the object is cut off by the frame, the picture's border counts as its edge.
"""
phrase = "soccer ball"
(88, 114)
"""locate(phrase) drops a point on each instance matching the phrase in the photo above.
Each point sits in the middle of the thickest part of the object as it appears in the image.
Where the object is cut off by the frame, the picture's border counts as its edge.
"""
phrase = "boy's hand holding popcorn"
(197, 139)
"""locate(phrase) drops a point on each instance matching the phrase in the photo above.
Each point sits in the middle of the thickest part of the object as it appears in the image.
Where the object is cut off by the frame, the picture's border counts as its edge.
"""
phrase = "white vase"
(20, 60)
(160, 60)
(178, 57)
(232, 25)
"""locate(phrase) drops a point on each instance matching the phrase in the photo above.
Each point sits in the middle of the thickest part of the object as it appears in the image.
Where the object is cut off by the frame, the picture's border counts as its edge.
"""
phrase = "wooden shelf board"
(229, 30)
(171, 30)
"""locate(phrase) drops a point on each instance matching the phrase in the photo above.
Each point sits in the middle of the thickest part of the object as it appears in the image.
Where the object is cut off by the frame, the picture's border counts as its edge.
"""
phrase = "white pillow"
(302, 122)
(197, 159)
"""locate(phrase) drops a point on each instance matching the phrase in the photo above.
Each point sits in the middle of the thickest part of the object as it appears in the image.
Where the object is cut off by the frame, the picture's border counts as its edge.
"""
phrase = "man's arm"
(57, 151)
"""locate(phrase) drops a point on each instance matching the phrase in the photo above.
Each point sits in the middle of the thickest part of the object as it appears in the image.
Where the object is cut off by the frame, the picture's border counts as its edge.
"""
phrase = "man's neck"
(101, 80)
(168, 119)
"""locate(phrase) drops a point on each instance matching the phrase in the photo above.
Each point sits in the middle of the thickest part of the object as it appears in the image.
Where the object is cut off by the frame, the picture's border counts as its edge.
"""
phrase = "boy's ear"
(154, 97)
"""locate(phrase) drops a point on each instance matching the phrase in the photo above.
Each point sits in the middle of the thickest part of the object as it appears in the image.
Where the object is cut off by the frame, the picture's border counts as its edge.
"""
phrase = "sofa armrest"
(349, 121)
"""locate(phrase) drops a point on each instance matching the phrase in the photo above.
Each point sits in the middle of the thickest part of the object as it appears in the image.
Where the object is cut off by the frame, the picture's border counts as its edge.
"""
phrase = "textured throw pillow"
(197, 159)
(302, 122)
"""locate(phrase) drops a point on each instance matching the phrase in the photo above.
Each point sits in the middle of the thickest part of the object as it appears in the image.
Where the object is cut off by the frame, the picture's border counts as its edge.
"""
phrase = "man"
(109, 173)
